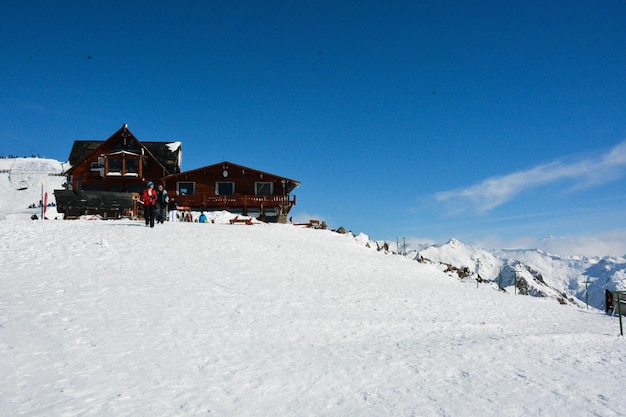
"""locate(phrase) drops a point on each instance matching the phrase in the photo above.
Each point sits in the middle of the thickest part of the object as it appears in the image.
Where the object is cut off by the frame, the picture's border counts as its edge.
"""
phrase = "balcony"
(237, 201)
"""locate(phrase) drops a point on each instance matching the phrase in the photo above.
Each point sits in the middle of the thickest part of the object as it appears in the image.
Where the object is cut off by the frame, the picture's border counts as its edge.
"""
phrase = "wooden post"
(619, 311)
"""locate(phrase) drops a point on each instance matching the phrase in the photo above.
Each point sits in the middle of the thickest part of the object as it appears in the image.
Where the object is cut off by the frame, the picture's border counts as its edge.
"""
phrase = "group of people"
(155, 203)
(32, 206)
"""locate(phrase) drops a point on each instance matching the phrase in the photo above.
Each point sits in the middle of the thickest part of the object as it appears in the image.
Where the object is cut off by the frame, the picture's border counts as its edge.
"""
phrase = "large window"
(132, 166)
(122, 165)
(264, 188)
(115, 165)
(186, 188)
(224, 188)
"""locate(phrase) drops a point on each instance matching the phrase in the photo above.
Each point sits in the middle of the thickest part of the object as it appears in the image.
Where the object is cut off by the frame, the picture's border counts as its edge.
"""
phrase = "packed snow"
(112, 318)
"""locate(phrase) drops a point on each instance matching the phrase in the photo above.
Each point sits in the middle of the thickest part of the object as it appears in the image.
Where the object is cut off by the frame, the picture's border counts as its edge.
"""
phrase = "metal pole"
(619, 310)
(477, 268)
(587, 292)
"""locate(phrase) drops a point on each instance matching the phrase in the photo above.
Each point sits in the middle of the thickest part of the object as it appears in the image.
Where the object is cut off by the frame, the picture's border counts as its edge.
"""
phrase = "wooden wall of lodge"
(206, 180)
(245, 189)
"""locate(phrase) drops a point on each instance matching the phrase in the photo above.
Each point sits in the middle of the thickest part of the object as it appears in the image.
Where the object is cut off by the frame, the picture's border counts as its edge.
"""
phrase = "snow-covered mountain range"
(569, 279)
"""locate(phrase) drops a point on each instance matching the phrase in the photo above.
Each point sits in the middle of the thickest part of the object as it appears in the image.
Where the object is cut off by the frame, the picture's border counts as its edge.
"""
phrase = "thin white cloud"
(602, 244)
(496, 191)
(22, 105)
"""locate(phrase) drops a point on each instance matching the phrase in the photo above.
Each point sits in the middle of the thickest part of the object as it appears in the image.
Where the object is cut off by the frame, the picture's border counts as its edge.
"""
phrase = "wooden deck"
(245, 202)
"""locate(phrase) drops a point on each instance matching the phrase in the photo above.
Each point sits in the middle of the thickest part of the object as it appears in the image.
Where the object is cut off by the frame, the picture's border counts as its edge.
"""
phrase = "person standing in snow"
(172, 208)
(149, 200)
(161, 203)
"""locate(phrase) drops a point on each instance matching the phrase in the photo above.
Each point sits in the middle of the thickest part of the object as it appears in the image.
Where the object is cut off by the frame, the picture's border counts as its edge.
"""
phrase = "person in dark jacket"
(172, 209)
(149, 198)
(161, 203)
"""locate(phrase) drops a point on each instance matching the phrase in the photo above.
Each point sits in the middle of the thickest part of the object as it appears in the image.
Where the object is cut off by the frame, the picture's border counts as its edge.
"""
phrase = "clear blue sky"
(488, 121)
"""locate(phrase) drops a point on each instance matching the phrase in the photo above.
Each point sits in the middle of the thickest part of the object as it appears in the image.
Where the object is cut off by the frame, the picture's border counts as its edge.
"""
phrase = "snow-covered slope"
(570, 279)
(112, 318)
(22, 183)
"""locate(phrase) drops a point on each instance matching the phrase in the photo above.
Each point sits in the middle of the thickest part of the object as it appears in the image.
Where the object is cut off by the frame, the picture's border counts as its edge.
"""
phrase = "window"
(264, 188)
(224, 188)
(186, 188)
(132, 166)
(126, 144)
(115, 165)
(119, 164)
(99, 165)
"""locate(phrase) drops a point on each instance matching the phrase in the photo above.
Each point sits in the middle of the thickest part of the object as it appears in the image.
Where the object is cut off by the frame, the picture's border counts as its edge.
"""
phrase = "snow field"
(102, 318)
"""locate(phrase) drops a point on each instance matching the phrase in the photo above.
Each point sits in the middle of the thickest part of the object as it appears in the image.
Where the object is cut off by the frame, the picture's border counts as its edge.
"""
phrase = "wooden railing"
(236, 201)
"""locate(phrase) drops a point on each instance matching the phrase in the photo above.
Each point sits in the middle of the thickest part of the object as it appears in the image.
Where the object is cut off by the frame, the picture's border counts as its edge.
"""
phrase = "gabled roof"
(236, 167)
(232, 166)
(162, 151)
(167, 155)
(82, 149)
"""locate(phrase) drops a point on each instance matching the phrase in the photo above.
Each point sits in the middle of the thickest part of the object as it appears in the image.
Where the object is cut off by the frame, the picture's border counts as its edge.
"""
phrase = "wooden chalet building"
(232, 187)
(104, 174)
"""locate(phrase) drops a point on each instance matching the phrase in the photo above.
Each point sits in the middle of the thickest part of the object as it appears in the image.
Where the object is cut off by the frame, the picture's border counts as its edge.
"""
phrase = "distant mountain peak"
(454, 242)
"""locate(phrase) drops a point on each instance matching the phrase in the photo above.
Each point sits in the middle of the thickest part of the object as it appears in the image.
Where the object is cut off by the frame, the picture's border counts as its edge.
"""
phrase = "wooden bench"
(315, 224)
(236, 220)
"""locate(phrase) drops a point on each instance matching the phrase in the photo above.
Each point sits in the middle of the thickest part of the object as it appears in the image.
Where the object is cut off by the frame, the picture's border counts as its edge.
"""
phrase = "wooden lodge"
(123, 164)
(235, 188)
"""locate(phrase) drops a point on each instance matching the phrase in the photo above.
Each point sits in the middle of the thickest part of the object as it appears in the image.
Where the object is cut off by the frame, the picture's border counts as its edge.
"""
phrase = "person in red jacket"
(149, 200)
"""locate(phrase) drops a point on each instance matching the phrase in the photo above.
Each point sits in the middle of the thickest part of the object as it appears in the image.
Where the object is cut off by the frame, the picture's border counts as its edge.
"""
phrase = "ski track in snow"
(112, 318)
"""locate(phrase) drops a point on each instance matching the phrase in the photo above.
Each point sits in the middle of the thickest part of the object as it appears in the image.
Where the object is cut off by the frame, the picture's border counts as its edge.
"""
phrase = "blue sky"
(496, 123)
